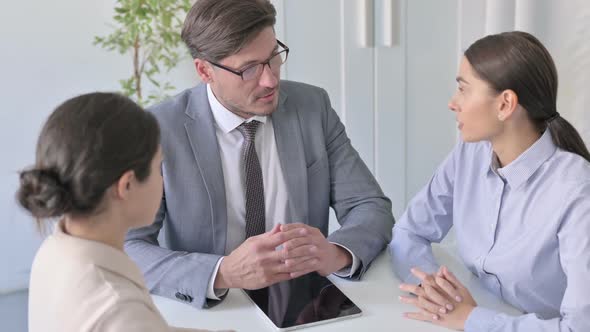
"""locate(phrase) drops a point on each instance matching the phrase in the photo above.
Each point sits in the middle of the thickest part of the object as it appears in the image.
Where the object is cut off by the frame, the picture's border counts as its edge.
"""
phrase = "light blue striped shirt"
(523, 230)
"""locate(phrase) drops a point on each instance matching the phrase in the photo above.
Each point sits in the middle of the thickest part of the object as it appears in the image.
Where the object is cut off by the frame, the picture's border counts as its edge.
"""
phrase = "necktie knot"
(248, 130)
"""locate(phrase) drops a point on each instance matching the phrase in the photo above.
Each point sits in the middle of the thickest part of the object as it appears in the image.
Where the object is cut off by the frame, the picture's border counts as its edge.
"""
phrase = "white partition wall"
(562, 26)
(389, 67)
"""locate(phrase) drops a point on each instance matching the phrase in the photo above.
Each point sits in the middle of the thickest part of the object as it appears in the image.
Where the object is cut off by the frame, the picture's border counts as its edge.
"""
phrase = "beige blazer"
(80, 285)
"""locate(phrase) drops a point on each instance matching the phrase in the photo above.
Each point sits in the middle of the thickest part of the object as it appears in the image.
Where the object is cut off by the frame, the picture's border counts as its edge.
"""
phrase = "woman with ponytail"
(516, 190)
(97, 171)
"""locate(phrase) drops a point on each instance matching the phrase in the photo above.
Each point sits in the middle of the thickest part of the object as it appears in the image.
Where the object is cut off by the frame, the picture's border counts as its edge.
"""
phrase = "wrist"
(222, 279)
(343, 257)
(465, 316)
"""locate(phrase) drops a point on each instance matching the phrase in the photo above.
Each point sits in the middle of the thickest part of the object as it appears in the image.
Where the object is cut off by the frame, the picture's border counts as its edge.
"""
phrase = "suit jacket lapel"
(200, 129)
(292, 157)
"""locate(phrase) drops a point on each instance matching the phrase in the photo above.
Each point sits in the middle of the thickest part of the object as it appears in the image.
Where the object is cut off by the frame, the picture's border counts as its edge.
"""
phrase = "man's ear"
(508, 104)
(204, 70)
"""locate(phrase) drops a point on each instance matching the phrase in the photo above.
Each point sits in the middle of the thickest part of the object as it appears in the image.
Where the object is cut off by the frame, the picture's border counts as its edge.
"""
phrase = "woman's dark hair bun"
(85, 146)
(43, 194)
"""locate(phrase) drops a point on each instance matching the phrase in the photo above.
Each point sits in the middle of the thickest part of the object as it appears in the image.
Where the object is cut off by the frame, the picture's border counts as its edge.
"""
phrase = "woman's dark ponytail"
(519, 62)
(567, 137)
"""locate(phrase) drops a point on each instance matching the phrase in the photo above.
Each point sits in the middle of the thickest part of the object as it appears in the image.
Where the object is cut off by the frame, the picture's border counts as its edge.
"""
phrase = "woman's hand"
(428, 295)
(441, 298)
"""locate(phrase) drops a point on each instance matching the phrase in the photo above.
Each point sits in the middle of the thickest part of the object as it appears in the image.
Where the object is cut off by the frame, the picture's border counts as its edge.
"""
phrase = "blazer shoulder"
(308, 99)
(302, 91)
(175, 107)
(293, 86)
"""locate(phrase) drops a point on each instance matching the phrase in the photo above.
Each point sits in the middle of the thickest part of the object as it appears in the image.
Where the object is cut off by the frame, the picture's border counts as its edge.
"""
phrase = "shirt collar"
(522, 168)
(99, 254)
(224, 118)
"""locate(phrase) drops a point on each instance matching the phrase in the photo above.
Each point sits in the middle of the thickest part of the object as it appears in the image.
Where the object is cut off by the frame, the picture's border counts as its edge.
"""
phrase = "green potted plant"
(149, 31)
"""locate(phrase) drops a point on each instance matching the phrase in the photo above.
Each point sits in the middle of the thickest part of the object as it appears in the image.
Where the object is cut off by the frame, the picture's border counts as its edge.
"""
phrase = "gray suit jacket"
(321, 170)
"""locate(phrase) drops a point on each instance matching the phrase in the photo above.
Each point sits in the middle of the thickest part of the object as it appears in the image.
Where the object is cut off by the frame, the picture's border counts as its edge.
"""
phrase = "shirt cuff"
(347, 272)
(215, 294)
(481, 320)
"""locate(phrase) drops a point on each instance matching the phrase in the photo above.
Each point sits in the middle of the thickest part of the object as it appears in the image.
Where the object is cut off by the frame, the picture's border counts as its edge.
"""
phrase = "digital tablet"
(305, 301)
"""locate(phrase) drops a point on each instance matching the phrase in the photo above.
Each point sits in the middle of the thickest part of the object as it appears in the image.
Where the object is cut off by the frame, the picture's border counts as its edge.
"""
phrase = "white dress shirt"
(276, 200)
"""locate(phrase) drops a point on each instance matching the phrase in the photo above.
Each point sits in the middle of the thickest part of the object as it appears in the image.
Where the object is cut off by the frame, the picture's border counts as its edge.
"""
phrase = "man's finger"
(275, 229)
(310, 264)
(294, 264)
(296, 233)
(288, 227)
(303, 251)
(273, 240)
(277, 277)
(297, 242)
(299, 273)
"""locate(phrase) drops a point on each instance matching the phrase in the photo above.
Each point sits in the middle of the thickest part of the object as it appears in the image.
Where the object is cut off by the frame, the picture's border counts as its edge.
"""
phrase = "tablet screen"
(309, 299)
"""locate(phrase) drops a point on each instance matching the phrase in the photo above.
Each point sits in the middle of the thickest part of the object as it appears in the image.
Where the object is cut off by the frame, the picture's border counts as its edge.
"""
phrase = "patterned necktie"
(255, 212)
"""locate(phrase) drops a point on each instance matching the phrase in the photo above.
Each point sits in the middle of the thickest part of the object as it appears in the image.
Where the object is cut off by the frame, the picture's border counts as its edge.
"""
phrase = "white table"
(376, 294)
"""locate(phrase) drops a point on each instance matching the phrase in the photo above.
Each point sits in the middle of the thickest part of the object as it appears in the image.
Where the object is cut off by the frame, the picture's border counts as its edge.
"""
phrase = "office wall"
(562, 26)
(46, 56)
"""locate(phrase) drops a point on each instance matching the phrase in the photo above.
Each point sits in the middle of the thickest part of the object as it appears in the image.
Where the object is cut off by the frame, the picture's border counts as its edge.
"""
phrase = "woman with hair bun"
(97, 170)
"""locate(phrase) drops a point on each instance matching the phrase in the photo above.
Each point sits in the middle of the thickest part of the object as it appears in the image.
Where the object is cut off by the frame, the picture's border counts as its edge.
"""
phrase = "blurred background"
(389, 67)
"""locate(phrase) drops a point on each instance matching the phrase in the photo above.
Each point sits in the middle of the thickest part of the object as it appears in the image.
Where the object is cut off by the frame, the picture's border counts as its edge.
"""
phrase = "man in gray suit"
(251, 167)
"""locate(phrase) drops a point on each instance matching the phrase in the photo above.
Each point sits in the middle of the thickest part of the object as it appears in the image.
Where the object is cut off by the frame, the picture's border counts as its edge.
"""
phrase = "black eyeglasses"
(254, 71)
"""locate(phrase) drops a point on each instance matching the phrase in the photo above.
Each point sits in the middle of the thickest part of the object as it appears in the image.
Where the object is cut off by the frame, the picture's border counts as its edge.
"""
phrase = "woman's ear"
(508, 102)
(123, 185)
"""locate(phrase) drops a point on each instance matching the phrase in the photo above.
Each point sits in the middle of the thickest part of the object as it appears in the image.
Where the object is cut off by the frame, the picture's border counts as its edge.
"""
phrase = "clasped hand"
(286, 252)
(441, 299)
